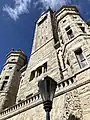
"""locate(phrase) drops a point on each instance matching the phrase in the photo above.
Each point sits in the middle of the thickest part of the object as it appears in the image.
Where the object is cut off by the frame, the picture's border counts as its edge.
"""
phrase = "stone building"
(61, 50)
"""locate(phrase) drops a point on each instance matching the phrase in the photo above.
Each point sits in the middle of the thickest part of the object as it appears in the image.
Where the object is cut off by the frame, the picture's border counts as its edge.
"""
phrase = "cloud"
(22, 6)
(54, 4)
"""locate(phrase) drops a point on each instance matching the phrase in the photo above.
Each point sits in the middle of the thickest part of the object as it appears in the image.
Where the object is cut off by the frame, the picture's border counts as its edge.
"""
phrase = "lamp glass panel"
(47, 88)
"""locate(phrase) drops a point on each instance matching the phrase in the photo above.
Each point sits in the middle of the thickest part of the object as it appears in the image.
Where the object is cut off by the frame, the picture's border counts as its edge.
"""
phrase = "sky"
(17, 21)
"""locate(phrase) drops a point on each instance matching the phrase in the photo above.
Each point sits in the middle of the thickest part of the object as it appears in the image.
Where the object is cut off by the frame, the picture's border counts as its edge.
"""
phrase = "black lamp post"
(47, 87)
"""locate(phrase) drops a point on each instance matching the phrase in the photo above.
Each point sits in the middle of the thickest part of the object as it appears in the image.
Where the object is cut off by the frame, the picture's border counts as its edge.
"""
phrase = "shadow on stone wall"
(72, 117)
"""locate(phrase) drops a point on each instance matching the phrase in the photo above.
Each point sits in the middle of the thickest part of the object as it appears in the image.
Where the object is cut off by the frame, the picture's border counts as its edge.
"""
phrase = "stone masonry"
(61, 50)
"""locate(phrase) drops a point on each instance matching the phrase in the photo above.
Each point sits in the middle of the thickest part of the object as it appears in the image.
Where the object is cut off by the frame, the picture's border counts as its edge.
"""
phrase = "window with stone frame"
(81, 58)
(38, 71)
(81, 27)
(45, 67)
(10, 67)
(6, 77)
(32, 76)
(3, 85)
(69, 32)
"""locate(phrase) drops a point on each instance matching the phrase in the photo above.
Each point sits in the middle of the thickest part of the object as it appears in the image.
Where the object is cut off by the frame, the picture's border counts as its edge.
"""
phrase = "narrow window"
(28, 96)
(39, 71)
(19, 101)
(75, 17)
(81, 58)
(61, 39)
(6, 77)
(81, 27)
(32, 76)
(69, 32)
(12, 59)
(45, 67)
(3, 69)
(63, 63)
(10, 67)
(3, 85)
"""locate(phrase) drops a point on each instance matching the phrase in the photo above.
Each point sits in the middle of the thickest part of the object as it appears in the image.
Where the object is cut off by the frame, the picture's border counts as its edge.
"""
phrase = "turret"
(10, 77)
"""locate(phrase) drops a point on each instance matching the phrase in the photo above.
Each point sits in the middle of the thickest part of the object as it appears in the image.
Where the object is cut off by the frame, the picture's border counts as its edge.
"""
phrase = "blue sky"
(17, 21)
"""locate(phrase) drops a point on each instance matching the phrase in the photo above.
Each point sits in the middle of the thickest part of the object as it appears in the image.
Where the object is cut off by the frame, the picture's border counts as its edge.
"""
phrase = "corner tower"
(74, 35)
(74, 56)
(10, 77)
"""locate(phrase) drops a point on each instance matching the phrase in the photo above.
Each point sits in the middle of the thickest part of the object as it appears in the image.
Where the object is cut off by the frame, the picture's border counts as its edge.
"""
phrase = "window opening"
(3, 85)
(68, 62)
(75, 17)
(28, 96)
(10, 67)
(3, 69)
(45, 67)
(81, 58)
(69, 32)
(68, 28)
(13, 59)
(63, 63)
(81, 27)
(19, 101)
(32, 76)
(61, 39)
(6, 77)
(39, 71)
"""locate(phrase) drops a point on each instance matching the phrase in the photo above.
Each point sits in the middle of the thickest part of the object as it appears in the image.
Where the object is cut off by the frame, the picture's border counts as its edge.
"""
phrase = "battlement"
(16, 52)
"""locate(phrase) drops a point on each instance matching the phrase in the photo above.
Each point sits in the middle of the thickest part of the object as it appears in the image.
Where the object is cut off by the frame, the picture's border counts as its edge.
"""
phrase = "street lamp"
(47, 87)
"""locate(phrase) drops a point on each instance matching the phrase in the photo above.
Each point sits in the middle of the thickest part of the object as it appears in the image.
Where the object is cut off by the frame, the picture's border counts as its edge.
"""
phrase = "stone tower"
(61, 50)
(43, 58)
(10, 78)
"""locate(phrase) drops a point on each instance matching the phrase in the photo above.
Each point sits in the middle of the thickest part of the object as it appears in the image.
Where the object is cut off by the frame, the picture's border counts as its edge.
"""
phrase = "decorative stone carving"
(72, 106)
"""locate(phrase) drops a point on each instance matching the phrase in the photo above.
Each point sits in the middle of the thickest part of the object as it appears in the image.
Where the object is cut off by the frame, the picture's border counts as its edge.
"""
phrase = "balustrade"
(20, 105)
(34, 98)
(65, 83)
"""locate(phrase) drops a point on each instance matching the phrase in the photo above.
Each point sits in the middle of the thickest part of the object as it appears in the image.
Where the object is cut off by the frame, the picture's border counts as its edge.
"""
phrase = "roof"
(67, 6)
